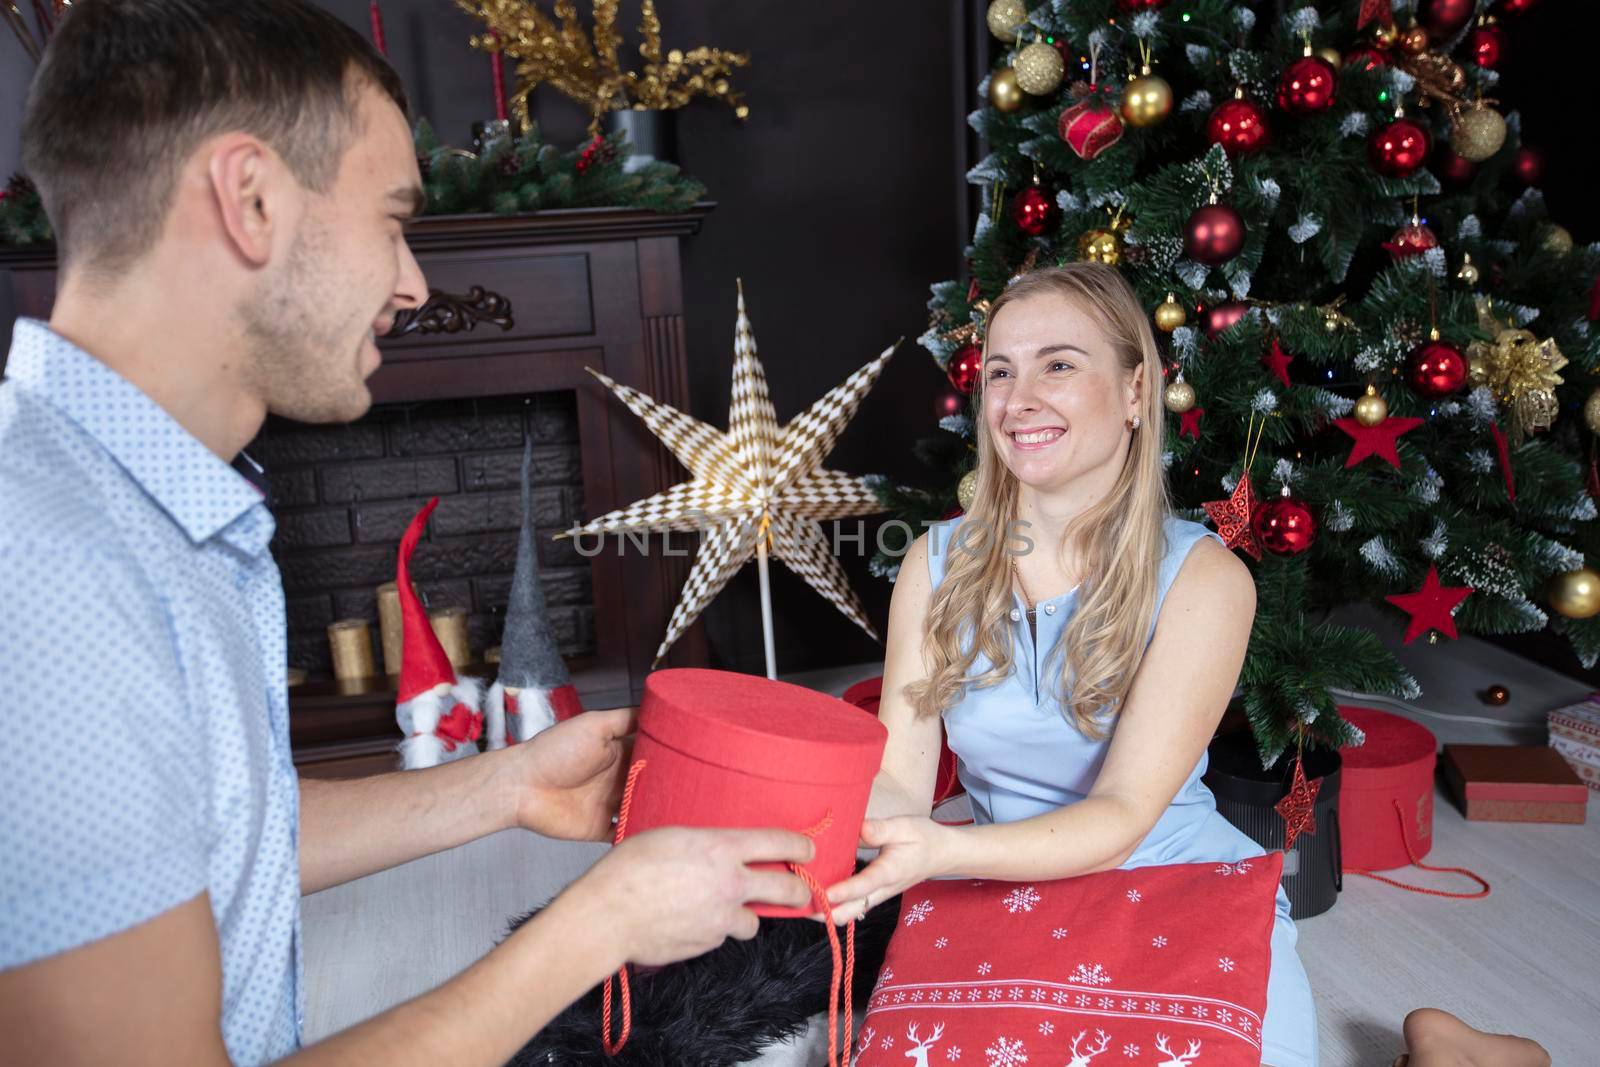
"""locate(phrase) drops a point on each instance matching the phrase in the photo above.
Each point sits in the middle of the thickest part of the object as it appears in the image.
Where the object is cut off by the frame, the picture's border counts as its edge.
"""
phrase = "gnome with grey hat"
(534, 690)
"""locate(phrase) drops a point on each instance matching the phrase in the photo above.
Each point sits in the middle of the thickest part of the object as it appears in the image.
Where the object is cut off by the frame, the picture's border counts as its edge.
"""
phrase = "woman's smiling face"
(1056, 399)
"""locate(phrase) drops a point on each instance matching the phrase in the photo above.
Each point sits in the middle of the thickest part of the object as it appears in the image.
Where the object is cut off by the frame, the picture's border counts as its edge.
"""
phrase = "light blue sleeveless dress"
(1019, 756)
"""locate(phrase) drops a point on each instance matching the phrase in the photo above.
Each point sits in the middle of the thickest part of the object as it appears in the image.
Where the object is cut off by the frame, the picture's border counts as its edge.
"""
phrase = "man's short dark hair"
(129, 89)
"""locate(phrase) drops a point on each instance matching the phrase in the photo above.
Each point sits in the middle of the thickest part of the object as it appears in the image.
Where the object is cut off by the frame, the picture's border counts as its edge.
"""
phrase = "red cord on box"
(1412, 855)
(844, 973)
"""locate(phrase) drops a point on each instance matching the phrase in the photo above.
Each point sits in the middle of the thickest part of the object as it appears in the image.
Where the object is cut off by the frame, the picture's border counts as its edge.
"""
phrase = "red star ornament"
(1189, 423)
(1277, 362)
(1232, 517)
(1298, 806)
(1594, 301)
(1379, 440)
(1381, 10)
(1432, 607)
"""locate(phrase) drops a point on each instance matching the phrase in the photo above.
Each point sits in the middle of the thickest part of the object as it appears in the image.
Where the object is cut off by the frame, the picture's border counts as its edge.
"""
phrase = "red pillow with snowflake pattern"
(1159, 966)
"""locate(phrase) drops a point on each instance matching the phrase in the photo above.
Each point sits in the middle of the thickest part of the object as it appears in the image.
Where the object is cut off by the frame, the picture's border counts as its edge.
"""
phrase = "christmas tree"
(1380, 366)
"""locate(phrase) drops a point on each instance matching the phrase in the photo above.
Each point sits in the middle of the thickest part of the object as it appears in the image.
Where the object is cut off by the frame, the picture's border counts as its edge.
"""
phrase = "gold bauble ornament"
(1591, 412)
(1468, 274)
(1477, 132)
(1555, 239)
(1005, 17)
(1576, 594)
(1371, 408)
(1178, 396)
(1414, 41)
(1147, 99)
(1004, 92)
(1330, 56)
(967, 489)
(1039, 69)
(1170, 314)
(1100, 246)
(1386, 36)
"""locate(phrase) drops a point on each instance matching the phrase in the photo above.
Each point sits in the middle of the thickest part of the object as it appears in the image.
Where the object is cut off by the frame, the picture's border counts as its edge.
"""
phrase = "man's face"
(312, 325)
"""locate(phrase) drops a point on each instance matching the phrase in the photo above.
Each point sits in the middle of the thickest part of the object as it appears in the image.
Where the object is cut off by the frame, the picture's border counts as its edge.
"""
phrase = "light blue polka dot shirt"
(143, 655)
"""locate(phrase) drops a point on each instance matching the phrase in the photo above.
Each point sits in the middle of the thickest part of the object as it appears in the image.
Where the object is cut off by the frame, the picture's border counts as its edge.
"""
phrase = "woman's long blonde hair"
(1119, 541)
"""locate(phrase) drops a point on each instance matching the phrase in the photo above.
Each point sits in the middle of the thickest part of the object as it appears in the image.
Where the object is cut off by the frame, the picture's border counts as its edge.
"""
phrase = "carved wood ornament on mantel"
(450, 313)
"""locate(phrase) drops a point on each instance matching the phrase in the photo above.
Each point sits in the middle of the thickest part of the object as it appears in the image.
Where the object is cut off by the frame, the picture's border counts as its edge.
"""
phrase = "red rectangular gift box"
(1575, 733)
(1514, 783)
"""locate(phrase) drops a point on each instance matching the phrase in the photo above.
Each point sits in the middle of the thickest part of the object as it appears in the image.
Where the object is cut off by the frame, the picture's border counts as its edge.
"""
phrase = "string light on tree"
(1220, 317)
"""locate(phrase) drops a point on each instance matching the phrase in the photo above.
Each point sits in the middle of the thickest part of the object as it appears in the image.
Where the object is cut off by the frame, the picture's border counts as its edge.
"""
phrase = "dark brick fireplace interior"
(342, 496)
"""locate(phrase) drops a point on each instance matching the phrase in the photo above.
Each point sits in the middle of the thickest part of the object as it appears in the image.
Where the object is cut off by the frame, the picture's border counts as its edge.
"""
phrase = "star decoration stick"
(1432, 607)
(1380, 440)
(753, 489)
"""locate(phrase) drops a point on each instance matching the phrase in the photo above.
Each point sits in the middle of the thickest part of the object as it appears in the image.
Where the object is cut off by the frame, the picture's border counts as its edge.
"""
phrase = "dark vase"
(1246, 793)
(653, 135)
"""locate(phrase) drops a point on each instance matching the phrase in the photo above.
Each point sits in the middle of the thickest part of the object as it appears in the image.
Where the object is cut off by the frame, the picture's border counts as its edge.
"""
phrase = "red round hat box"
(867, 695)
(1395, 765)
(735, 750)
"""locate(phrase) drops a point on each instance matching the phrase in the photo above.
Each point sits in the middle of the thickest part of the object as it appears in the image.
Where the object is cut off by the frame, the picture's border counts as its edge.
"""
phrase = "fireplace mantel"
(519, 305)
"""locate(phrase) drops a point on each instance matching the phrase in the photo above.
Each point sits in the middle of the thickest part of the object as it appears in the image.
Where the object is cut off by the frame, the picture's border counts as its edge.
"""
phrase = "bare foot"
(1436, 1038)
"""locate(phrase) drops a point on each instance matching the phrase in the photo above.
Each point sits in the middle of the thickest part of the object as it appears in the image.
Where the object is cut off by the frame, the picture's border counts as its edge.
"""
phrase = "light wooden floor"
(1525, 960)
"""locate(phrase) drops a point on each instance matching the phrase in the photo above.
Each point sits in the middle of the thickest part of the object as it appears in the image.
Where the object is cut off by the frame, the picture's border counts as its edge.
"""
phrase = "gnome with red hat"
(534, 690)
(439, 714)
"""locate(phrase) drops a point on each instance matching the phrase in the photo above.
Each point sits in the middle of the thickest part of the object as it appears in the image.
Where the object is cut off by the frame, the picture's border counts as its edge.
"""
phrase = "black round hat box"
(1246, 795)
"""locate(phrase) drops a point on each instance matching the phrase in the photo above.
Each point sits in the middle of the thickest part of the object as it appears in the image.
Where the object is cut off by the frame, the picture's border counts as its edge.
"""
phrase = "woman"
(1080, 643)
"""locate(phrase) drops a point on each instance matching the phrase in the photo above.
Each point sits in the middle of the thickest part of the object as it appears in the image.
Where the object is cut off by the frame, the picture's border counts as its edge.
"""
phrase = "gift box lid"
(770, 729)
(1586, 714)
(1514, 772)
(1395, 752)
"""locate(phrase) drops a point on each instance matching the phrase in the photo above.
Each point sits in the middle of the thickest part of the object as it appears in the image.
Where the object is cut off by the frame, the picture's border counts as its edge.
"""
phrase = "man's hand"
(567, 780)
(672, 894)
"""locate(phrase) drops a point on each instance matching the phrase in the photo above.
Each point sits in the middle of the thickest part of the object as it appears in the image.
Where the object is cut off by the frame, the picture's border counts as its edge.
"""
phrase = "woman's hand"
(912, 849)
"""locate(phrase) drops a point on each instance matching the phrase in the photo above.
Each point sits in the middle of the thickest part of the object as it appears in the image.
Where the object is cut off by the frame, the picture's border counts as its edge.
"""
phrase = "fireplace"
(519, 307)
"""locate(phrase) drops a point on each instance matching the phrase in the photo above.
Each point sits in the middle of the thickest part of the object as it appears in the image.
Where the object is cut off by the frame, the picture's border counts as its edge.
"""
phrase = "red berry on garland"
(1221, 316)
(1486, 46)
(1308, 85)
(1399, 149)
(1032, 211)
(1529, 166)
(1366, 58)
(964, 367)
(1214, 234)
(1412, 239)
(1239, 126)
(1445, 18)
(1284, 526)
(1435, 369)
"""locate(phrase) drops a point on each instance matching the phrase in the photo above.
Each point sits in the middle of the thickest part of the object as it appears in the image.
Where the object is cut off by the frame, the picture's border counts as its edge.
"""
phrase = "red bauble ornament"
(1486, 46)
(1452, 169)
(1399, 149)
(1140, 5)
(1284, 526)
(1239, 126)
(1445, 18)
(1213, 235)
(1032, 211)
(1308, 85)
(964, 367)
(1435, 370)
(1090, 127)
(1529, 167)
(1412, 239)
(1365, 57)
(1517, 7)
(1216, 319)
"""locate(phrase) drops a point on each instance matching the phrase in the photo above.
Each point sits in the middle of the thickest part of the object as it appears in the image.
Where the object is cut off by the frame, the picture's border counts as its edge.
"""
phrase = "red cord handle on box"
(843, 974)
(1412, 855)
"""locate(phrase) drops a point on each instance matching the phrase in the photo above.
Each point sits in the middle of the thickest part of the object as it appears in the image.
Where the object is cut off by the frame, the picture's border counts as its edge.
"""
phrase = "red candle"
(496, 64)
(377, 29)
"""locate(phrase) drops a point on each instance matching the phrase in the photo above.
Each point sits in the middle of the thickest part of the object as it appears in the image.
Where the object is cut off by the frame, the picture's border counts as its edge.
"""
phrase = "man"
(229, 184)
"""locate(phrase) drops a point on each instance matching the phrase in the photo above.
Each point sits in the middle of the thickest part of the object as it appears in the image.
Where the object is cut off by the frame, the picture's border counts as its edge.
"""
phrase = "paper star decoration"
(1432, 607)
(1232, 517)
(754, 481)
(1189, 423)
(1380, 440)
(1298, 807)
(1277, 362)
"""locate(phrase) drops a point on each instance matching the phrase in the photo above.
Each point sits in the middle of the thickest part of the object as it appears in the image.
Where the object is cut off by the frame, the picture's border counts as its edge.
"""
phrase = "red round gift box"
(1394, 766)
(734, 750)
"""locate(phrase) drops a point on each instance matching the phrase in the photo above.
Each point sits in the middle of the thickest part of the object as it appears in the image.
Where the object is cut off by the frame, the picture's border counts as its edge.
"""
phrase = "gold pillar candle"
(351, 640)
(450, 626)
(390, 626)
(296, 677)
